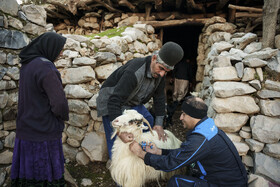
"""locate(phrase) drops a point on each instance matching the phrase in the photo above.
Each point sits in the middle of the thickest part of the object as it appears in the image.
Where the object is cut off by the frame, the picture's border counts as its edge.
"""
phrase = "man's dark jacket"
(130, 85)
(212, 152)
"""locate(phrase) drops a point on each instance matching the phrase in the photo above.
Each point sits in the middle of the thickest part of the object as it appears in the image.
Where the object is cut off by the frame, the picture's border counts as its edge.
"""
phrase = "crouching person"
(212, 157)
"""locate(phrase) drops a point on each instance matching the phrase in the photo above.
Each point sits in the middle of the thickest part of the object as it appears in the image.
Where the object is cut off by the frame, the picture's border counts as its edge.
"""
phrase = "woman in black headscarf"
(38, 158)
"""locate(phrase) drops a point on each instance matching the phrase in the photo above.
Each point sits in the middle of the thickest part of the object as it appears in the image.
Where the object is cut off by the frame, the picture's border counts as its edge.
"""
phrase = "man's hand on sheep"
(161, 134)
(126, 137)
(137, 149)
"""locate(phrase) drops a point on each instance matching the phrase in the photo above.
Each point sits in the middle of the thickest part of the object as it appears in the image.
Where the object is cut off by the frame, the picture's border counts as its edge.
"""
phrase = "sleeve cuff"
(164, 151)
(159, 120)
(147, 159)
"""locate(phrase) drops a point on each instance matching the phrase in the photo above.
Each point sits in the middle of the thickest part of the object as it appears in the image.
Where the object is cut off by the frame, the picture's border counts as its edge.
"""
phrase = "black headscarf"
(47, 45)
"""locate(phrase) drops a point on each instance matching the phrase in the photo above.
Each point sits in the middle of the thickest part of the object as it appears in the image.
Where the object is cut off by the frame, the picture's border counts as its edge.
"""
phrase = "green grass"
(110, 32)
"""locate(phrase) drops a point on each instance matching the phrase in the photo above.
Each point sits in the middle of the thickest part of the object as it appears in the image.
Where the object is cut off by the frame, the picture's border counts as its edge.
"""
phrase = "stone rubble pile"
(241, 83)
(94, 22)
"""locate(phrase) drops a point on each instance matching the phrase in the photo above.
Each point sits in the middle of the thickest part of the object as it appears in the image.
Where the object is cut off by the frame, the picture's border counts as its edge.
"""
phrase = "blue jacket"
(213, 153)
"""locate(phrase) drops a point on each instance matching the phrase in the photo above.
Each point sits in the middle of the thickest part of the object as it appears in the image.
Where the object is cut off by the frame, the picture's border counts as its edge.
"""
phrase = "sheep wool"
(127, 169)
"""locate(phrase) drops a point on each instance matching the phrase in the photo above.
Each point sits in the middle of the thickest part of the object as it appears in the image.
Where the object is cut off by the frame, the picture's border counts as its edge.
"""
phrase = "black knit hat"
(171, 53)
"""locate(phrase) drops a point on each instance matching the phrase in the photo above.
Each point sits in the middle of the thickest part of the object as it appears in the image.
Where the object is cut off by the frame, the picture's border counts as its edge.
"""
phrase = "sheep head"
(130, 117)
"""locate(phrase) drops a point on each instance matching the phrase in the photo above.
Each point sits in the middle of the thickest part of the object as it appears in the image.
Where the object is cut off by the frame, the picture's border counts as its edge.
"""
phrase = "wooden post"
(231, 15)
(161, 35)
(270, 10)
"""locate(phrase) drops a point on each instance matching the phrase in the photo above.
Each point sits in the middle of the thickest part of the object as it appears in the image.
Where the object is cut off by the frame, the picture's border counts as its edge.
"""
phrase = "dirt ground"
(100, 175)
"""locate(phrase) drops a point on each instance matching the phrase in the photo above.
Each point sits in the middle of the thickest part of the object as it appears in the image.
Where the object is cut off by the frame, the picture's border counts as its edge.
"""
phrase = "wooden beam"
(247, 14)
(172, 23)
(245, 8)
(178, 15)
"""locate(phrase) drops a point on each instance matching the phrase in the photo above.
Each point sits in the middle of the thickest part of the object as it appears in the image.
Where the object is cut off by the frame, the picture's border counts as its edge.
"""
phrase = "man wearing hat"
(210, 154)
(134, 84)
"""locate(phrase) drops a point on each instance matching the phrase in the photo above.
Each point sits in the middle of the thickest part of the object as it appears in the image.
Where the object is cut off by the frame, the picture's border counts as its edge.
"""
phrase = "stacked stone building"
(237, 78)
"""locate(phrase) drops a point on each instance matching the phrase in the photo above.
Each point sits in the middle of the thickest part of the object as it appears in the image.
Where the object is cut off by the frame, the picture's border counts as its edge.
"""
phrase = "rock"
(69, 152)
(240, 69)
(77, 75)
(6, 157)
(12, 39)
(94, 146)
(73, 142)
(224, 27)
(217, 37)
(82, 158)
(10, 125)
(270, 107)
(15, 23)
(267, 166)
(242, 104)
(76, 92)
(78, 106)
(242, 42)
(10, 140)
(228, 89)
(221, 61)
(103, 72)
(230, 122)
(265, 129)
(36, 14)
(272, 85)
(265, 94)
(260, 73)
(254, 62)
(256, 84)
(34, 29)
(128, 21)
(254, 145)
(103, 58)
(75, 133)
(253, 47)
(258, 181)
(241, 147)
(61, 63)
(3, 99)
(221, 46)
(78, 120)
(3, 174)
(92, 101)
(84, 61)
(234, 137)
(86, 182)
(245, 135)
(249, 74)
(277, 41)
(272, 150)
(225, 74)
(12, 59)
(72, 44)
(264, 54)
(274, 64)
(248, 161)
(9, 7)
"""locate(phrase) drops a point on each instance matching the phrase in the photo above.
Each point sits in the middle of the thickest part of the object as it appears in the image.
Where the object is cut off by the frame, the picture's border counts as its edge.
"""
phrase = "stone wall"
(241, 83)
(237, 78)
(84, 65)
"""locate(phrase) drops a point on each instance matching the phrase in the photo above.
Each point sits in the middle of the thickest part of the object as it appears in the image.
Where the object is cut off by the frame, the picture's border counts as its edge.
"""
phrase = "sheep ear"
(115, 123)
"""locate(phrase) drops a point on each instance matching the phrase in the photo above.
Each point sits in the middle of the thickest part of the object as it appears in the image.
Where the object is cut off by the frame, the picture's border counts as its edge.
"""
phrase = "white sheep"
(127, 169)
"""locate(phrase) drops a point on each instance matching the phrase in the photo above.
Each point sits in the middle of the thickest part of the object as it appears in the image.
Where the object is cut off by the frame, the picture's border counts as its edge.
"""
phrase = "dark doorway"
(187, 37)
